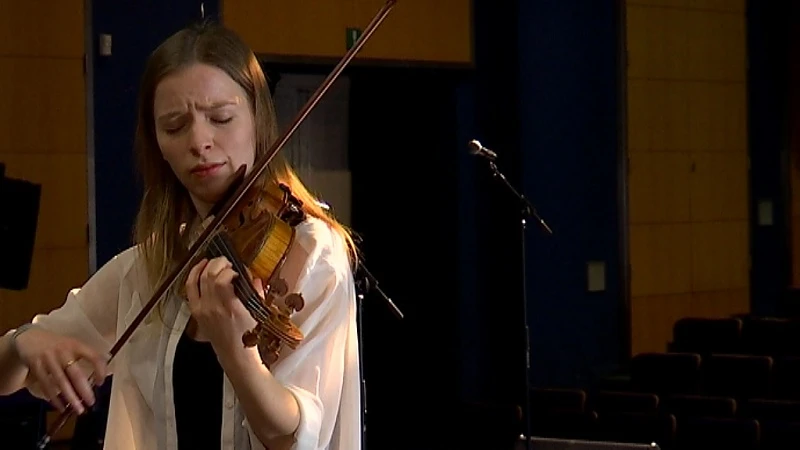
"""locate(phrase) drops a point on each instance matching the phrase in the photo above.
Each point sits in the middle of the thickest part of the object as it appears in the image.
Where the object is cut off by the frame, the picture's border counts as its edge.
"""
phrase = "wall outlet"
(596, 275)
(765, 214)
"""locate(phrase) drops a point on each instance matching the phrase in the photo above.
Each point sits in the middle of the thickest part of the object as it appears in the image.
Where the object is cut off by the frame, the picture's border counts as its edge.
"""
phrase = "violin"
(254, 239)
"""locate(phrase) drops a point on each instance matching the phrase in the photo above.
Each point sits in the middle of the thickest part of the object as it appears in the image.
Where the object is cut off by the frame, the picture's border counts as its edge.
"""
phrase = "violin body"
(261, 238)
(257, 241)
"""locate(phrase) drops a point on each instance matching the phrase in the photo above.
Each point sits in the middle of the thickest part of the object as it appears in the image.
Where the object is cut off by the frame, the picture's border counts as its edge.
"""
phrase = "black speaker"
(19, 200)
(574, 444)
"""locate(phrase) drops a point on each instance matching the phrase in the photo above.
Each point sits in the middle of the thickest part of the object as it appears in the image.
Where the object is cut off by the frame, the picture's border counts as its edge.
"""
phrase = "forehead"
(198, 85)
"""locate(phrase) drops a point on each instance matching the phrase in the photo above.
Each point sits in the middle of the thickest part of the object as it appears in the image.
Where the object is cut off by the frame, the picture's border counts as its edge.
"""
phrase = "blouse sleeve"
(315, 372)
(89, 313)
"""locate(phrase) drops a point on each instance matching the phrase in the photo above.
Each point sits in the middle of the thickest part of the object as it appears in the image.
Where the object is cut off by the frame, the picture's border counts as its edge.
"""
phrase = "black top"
(197, 381)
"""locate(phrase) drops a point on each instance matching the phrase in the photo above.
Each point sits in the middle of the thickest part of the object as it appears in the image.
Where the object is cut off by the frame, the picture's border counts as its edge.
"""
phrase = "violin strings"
(251, 294)
(244, 290)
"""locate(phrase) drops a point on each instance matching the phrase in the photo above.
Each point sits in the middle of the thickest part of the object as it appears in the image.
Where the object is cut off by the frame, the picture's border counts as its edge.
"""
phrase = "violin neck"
(221, 245)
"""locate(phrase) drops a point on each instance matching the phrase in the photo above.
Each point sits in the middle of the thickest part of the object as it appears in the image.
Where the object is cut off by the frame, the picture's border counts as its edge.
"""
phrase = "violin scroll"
(276, 328)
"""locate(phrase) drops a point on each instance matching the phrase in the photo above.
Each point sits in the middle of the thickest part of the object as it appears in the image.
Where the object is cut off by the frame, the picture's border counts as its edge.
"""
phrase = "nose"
(201, 137)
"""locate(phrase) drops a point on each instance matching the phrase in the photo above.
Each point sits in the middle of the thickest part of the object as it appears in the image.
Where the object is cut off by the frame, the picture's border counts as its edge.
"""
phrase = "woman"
(184, 379)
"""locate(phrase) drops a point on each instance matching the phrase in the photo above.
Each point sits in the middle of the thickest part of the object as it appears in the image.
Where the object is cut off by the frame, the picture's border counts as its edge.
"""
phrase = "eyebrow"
(212, 106)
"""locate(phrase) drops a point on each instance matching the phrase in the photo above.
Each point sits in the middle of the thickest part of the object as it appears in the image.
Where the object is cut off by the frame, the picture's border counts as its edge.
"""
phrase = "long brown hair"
(166, 204)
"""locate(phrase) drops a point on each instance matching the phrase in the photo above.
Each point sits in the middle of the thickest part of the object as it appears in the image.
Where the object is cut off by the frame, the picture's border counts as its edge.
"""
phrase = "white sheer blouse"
(322, 373)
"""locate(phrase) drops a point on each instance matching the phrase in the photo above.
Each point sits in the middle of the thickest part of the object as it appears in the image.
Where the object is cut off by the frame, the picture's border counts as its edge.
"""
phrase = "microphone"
(477, 149)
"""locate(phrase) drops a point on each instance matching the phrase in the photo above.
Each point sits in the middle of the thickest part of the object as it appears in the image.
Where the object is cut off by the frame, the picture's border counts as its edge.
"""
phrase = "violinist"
(184, 379)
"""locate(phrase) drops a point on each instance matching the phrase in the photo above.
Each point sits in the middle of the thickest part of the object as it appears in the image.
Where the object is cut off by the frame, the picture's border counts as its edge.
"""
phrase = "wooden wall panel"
(681, 115)
(415, 30)
(720, 257)
(663, 115)
(712, 5)
(719, 191)
(685, 43)
(43, 107)
(718, 117)
(661, 259)
(43, 140)
(310, 27)
(420, 30)
(688, 177)
(659, 186)
(42, 28)
(652, 318)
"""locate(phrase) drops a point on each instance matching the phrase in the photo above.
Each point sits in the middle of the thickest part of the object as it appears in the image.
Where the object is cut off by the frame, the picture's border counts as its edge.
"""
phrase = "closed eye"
(172, 130)
(221, 121)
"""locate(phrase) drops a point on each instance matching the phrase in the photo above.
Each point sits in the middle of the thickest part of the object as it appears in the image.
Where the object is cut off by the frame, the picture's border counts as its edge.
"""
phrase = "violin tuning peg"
(279, 287)
(250, 338)
(295, 302)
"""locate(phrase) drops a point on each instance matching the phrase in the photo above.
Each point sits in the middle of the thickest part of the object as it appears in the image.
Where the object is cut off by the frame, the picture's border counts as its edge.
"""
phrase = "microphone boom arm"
(528, 209)
(367, 282)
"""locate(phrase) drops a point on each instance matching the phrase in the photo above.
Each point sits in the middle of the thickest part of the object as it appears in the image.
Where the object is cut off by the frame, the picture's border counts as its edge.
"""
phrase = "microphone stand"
(527, 211)
(365, 282)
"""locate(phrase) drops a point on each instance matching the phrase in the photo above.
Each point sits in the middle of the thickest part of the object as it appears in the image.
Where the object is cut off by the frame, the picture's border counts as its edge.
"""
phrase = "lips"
(206, 169)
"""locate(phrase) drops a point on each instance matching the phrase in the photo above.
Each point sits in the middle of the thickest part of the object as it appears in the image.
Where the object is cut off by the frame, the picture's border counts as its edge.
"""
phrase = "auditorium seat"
(785, 376)
(706, 335)
(559, 413)
(623, 402)
(666, 373)
(704, 433)
(776, 434)
(636, 428)
(699, 406)
(563, 425)
(769, 409)
(737, 376)
(771, 336)
(547, 400)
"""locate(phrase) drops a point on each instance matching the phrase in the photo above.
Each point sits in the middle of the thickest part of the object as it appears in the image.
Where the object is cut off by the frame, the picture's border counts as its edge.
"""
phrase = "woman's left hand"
(221, 316)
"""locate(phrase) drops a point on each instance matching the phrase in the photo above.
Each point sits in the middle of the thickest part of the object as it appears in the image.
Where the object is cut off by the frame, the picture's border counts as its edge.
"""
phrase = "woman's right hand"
(51, 360)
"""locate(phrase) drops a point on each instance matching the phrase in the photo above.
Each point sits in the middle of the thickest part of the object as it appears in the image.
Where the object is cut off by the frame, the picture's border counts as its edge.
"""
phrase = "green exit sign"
(352, 36)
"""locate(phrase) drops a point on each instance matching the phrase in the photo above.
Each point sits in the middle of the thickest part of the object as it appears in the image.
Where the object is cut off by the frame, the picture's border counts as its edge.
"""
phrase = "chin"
(210, 194)
(210, 197)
